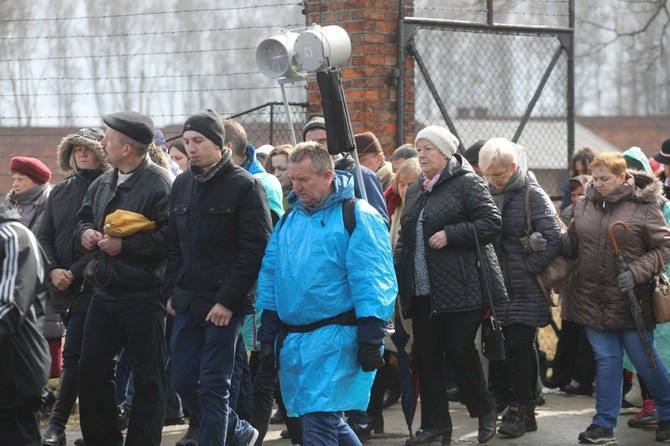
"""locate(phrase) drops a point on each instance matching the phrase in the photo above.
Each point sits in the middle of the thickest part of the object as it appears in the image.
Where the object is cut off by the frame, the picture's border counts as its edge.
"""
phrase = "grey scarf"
(502, 196)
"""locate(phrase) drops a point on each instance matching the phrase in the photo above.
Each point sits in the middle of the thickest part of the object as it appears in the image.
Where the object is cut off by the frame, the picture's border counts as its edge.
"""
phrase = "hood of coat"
(67, 145)
(456, 166)
(640, 187)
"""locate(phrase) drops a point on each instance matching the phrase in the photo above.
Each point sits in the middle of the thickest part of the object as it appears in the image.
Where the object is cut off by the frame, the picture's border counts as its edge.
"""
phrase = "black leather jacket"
(140, 266)
(458, 203)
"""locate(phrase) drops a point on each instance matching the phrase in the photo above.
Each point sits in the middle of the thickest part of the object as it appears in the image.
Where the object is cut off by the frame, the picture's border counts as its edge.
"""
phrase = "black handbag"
(493, 341)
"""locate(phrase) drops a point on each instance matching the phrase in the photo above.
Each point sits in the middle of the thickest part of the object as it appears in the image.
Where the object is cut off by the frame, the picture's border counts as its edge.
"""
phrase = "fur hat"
(31, 167)
(317, 122)
(367, 143)
(87, 137)
(663, 156)
(440, 138)
(209, 124)
(132, 124)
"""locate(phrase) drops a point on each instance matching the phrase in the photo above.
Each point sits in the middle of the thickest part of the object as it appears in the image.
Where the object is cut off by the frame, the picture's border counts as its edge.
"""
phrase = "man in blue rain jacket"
(326, 296)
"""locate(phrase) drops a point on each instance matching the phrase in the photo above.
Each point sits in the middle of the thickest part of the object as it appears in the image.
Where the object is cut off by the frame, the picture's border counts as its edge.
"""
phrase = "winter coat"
(56, 235)
(140, 266)
(31, 204)
(219, 226)
(597, 302)
(25, 364)
(459, 203)
(527, 304)
(312, 270)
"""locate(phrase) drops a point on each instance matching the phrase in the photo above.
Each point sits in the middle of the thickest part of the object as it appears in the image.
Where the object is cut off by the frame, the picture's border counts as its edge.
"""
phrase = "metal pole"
(291, 130)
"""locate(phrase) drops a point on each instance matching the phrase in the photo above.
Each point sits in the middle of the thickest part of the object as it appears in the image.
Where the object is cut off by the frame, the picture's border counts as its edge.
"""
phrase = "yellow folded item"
(122, 223)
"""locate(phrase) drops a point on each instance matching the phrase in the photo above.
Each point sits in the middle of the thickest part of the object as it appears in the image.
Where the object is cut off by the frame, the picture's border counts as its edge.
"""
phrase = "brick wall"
(648, 133)
(369, 81)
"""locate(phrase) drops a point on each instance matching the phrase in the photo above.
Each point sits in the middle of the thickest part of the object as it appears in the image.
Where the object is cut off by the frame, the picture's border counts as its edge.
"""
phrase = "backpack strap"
(349, 214)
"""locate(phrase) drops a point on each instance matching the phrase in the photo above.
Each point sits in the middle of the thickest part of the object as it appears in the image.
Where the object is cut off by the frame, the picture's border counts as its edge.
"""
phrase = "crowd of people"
(201, 277)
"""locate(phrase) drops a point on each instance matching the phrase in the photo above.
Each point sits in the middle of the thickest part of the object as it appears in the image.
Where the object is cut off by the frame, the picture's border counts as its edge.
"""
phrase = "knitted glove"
(626, 281)
(537, 242)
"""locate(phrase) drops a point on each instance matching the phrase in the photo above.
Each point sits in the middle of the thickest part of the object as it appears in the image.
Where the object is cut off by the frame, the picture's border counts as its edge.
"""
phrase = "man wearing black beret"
(127, 275)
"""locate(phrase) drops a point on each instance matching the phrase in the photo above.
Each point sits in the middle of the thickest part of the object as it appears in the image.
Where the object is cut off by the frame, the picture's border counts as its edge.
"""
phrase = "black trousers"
(22, 428)
(449, 335)
(522, 361)
(138, 325)
(574, 356)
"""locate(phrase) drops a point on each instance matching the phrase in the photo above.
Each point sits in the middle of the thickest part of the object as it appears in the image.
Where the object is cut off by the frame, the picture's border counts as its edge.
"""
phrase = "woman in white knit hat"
(446, 211)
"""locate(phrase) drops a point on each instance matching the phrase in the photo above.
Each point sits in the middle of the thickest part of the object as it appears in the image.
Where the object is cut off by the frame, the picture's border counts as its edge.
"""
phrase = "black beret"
(132, 124)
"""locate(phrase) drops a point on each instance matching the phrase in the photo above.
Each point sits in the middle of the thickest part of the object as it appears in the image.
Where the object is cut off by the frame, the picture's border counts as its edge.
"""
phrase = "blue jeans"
(203, 358)
(608, 348)
(327, 429)
(74, 335)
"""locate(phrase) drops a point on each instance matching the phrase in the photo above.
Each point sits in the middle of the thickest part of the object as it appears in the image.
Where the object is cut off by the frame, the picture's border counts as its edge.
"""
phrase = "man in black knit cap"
(219, 226)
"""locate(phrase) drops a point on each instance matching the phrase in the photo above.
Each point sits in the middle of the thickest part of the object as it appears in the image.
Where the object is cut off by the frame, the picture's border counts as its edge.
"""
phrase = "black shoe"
(79, 442)
(284, 434)
(515, 421)
(663, 431)
(124, 417)
(551, 383)
(454, 394)
(277, 418)
(575, 388)
(53, 436)
(173, 421)
(377, 424)
(363, 433)
(427, 436)
(190, 438)
(487, 427)
(596, 434)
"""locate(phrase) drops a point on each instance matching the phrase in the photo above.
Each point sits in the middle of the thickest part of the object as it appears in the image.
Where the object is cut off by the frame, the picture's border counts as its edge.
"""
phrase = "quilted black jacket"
(458, 203)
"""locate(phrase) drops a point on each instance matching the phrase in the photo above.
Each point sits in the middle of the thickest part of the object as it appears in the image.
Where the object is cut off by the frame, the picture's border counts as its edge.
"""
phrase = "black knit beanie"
(209, 124)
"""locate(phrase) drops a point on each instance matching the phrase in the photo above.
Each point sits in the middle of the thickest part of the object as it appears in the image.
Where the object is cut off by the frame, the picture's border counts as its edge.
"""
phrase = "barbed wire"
(107, 78)
(142, 34)
(482, 11)
(135, 14)
(94, 93)
(158, 53)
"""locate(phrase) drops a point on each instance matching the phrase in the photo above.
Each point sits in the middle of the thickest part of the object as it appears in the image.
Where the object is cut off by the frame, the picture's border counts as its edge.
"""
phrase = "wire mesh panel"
(269, 123)
(485, 82)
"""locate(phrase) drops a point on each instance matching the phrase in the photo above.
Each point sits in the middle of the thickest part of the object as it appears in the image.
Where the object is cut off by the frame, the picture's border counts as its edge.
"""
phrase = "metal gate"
(483, 81)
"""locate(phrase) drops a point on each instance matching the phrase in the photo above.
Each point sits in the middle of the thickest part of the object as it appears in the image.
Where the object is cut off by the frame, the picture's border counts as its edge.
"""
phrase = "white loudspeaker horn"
(319, 47)
(274, 56)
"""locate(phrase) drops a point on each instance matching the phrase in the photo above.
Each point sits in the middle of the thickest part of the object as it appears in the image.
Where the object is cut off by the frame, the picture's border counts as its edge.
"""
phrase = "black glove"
(370, 357)
(626, 281)
(267, 356)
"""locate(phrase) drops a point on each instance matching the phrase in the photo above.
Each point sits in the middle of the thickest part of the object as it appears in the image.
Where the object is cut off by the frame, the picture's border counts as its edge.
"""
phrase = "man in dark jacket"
(81, 155)
(219, 226)
(24, 368)
(127, 273)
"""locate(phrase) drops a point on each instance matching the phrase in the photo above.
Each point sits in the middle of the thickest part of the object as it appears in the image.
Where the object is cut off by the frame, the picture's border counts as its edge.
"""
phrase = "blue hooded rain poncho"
(313, 270)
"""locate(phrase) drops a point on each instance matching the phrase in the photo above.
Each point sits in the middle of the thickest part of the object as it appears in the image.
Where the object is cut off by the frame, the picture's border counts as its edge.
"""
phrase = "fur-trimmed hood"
(69, 142)
(641, 187)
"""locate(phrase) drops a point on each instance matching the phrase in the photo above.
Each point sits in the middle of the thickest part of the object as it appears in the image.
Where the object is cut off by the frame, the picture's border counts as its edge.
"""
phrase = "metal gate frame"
(409, 25)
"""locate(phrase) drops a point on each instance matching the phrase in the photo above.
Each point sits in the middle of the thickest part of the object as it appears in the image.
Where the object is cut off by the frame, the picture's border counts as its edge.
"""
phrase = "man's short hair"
(320, 157)
(236, 135)
(405, 152)
(141, 149)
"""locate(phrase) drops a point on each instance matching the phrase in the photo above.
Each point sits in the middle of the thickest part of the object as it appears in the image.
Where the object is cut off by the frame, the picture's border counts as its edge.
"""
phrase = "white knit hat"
(441, 138)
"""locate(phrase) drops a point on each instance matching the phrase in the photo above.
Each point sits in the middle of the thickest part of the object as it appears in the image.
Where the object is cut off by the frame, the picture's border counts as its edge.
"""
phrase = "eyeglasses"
(498, 175)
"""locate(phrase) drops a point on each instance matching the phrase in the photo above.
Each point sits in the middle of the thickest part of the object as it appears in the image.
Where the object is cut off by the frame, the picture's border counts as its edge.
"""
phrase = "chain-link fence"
(494, 81)
(268, 123)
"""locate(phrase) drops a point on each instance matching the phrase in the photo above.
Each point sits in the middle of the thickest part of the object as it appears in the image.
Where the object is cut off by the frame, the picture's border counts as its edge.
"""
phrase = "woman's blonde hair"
(497, 150)
(409, 168)
(612, 161)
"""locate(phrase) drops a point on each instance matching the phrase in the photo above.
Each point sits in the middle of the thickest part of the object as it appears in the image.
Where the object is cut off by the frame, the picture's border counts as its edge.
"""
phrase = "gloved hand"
(626, 281)
(370, 357)
(537, 242)
(267, 355)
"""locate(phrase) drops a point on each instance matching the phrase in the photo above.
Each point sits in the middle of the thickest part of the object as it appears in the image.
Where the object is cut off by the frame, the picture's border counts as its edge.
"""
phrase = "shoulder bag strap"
(529, 220)
(488, 298)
